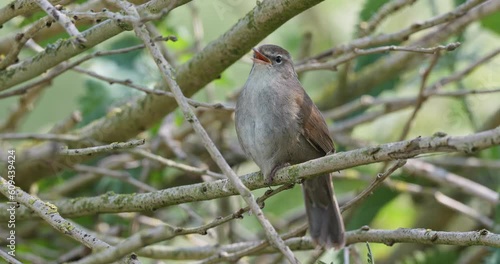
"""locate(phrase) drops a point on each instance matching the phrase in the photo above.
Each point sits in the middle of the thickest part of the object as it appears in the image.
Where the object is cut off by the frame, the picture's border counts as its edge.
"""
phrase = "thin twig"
(470, 162)
(63, 67)
(464, 209)
(8, 258)
(443, 177)
(400, 35)
(63, 20)
(123, 176)
(421, 96)
(250, 250)
(34, 136)
(165, 135)
(378, 180)
(100, 149)
(19, 40)
(103, 14)
(392, 105)
(197, 26)
(366, 101)
(66, 124)
(25, 105)
(129, 83)
(49, 213)
(173, 164)
(389, 105)
(442, 199)
(366, 28)
(332, 65)
(462, 92)
(461, 74)
(74, 183)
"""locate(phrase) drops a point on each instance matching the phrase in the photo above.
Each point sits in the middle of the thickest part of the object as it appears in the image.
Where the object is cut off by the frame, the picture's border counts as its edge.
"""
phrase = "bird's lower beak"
(260, 58)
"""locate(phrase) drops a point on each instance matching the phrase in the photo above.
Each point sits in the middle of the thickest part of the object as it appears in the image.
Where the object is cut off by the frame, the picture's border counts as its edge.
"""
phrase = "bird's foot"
(270, 178)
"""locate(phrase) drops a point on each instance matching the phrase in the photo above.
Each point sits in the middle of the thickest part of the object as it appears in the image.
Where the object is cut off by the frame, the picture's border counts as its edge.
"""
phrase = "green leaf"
(369, 208)
(369, 8)
(434, 255)
(492, 22)
(34, 17)
(370, 259)
(95, 102)
(458, 2)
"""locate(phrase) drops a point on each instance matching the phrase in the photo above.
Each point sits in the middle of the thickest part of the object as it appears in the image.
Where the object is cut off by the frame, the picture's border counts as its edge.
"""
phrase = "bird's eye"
(279, 59)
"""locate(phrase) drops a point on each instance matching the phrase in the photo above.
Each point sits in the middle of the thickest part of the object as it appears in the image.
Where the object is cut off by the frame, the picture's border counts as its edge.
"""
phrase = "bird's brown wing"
(315, 129)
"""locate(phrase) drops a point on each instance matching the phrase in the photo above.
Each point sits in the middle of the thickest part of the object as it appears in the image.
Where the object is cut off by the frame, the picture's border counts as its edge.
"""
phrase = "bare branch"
(173, 164)
(378, 180)
(424, 236)
(99, 149)
(447, 178)
(123, 176)
(33, 136)
(466, 162)
(66, 124)
(24, 106)
(387, 9)
(464, 209)
(63, 20)
(332, 65)
(48, 212)
(8, 258)
(222, 188)
(165, 232)
(129, 83)
(365, 234)
(421, 96)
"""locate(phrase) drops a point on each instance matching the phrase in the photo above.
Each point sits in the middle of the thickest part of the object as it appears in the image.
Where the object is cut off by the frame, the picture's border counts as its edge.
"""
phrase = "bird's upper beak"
(260, 58)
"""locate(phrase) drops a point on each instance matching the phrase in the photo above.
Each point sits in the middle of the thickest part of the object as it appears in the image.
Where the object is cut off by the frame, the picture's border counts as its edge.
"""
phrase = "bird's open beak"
(260, 58)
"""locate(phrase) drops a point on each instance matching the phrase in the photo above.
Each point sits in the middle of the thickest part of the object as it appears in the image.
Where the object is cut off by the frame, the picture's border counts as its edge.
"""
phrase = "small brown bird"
(277, 125)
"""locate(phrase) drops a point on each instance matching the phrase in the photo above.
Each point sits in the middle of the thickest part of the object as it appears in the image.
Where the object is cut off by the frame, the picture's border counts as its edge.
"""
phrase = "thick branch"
(49, 213)
(110, 203)
(388, 237)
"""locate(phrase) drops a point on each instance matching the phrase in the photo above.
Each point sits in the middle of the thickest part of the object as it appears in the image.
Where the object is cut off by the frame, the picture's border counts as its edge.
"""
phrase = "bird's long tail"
(323, 213)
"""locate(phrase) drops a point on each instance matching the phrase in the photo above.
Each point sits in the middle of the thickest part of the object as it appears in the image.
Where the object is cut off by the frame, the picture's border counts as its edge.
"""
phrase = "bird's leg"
(270, 178)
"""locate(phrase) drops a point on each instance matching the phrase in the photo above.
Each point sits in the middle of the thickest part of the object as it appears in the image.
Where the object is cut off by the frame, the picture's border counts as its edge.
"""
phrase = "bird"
(277, 125)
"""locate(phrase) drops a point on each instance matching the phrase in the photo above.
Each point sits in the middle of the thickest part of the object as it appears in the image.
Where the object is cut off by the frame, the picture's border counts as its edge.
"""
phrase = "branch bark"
(111, 203)
(365, 234)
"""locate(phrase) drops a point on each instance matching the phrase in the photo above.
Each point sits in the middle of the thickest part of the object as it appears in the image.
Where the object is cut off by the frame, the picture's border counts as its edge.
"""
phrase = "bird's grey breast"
(268, 116)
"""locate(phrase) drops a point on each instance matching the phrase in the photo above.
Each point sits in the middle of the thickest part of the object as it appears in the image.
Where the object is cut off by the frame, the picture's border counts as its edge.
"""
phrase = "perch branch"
(109, 203)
